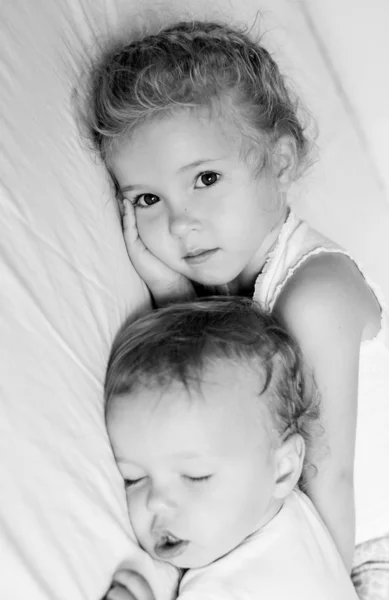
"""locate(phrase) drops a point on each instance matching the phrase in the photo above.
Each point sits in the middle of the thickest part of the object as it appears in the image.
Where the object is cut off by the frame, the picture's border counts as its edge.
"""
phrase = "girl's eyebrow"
(131, 188)
(192, 165)
(197, 163)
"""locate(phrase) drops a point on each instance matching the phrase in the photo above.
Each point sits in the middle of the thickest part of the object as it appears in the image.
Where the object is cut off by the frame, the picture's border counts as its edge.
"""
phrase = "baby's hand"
(164, 284)
(129, 585)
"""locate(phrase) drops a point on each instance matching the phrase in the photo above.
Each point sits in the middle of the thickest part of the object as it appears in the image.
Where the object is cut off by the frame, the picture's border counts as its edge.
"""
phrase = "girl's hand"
(129, 585)
(164, 284)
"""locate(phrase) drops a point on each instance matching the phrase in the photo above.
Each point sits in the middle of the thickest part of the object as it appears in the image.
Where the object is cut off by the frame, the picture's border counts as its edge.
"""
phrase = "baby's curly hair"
(179, 342)
(186, 66)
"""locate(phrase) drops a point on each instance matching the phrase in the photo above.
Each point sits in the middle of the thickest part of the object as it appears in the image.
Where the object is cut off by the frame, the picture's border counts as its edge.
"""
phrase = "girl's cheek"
(150, 227)
(143, 225)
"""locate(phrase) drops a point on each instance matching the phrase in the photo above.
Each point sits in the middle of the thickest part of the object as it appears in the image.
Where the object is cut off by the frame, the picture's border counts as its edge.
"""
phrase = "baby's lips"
(166, 534)
(170, 546)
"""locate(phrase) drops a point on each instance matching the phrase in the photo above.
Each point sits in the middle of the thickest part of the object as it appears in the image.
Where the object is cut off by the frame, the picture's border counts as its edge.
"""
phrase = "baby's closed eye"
(200, 479)
(131, 482)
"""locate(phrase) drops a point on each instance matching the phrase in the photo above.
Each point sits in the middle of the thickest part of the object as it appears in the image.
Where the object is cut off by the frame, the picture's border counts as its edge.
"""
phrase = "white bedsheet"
(66, 284)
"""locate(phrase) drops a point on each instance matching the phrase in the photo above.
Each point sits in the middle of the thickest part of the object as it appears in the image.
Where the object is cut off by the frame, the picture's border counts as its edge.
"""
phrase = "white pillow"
(66, 285)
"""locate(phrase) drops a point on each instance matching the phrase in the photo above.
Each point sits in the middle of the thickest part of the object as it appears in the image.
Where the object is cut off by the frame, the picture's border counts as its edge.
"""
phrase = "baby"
(208, 422)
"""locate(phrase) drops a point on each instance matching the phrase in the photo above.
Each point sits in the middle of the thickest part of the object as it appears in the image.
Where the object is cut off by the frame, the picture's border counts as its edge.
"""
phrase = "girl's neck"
(244, 284)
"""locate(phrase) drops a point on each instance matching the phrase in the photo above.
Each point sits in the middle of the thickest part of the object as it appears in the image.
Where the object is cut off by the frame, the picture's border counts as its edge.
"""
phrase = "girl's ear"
(284, 160)
(289, 465)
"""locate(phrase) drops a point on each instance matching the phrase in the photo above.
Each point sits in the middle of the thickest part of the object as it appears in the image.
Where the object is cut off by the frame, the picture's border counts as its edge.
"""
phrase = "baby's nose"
(160, 501)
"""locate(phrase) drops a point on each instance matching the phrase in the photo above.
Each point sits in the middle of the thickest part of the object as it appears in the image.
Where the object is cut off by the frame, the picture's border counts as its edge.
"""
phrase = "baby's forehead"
(213, 376)
(231, 374)
(221, 414)
(228, 385)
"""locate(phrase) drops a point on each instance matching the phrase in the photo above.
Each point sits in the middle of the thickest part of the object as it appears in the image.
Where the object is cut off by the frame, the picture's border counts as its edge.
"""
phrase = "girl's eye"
(198, 479)
(146, 200)
(207, 179)
(131, 482)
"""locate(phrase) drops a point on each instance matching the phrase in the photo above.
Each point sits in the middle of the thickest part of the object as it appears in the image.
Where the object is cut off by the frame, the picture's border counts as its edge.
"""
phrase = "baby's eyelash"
(198, 479)
(131, 482)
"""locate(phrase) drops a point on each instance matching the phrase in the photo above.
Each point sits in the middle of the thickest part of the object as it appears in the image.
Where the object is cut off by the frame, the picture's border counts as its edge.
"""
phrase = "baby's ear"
(284, 160)
(289, 465)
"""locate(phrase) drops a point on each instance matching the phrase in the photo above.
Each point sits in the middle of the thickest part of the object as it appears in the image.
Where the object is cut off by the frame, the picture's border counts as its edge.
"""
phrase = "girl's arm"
(329, 309)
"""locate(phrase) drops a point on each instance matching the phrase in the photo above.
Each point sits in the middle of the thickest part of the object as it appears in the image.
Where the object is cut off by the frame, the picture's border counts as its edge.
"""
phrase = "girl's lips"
(199, 256)
(166, 549)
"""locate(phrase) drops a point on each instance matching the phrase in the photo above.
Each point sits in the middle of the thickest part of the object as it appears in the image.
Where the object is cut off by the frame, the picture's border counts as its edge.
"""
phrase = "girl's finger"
(135, 246)
(129, 222)
(136, 583)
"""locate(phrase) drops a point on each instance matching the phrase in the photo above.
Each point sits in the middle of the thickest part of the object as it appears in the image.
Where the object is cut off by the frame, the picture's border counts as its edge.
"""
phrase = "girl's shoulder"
(328, 290)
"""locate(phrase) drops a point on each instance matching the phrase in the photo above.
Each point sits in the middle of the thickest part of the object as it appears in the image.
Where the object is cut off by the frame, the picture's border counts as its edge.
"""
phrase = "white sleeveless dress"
(296, 243)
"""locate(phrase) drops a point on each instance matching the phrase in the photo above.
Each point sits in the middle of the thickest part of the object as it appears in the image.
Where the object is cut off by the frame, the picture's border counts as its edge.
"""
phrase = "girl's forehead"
(184, 132)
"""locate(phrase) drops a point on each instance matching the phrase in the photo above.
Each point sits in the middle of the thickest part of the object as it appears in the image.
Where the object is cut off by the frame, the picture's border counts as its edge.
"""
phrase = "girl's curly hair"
(185, 66)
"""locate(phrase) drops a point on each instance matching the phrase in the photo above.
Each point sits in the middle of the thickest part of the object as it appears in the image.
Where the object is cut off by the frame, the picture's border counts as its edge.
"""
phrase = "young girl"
(208, 423)
(202, 141)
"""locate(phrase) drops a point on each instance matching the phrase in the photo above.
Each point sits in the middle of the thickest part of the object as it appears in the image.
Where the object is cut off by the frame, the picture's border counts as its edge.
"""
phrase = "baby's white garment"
(296, 243)
(292, 558)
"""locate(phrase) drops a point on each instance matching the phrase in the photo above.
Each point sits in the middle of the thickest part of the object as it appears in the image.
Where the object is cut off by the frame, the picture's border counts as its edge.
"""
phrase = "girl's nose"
(182, 221)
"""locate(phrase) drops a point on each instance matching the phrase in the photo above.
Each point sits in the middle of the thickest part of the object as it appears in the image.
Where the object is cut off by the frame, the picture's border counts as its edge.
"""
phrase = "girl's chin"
(214, 279)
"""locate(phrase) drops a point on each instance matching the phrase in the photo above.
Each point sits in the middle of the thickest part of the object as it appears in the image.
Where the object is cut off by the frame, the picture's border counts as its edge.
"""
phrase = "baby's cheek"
(205, 524)
(223, 531)
(139, 517)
